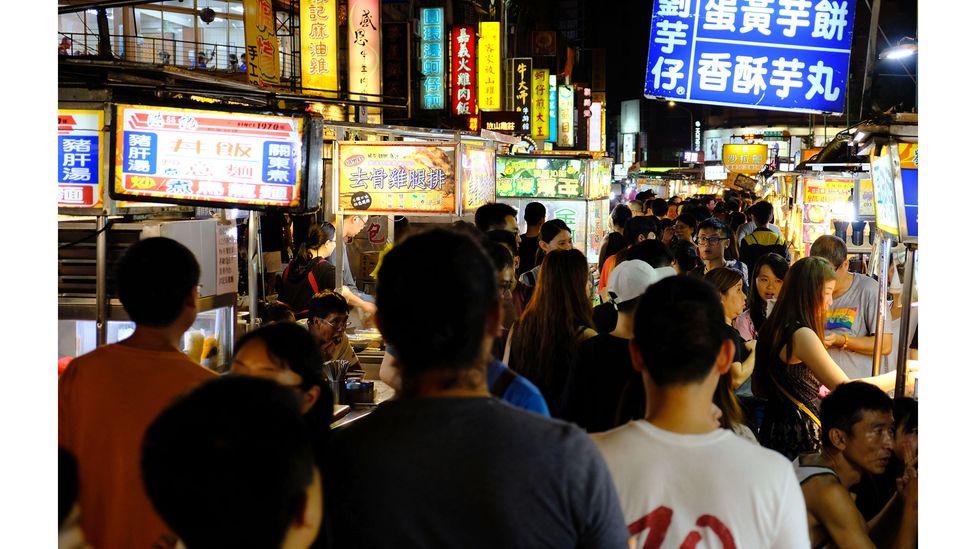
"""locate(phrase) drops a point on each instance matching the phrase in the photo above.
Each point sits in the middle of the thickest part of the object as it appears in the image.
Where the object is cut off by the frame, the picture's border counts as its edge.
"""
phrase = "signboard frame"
(103, 165)
(886, 179)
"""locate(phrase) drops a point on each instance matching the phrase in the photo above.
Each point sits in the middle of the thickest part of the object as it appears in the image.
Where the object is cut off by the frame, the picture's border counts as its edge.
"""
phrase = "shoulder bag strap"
(798, 404)
(508, 347)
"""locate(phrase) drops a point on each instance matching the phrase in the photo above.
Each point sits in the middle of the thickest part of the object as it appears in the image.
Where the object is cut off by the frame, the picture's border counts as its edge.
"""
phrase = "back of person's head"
(551, 229)
(714, 224)
(831, 248)
(629, 280)
(736, 219)
(277, 311)
(659, 207)
(492, 216)
(639, 226)
(678, 330)
(230, 464)
(762, 212)
(317, 236)
(723, 278)
(652, 252)
(326, 302)
(154, 278)
(733, 205)
(905, 410)
(441, 334)
(620, 215)
(500, 254)
(615, 243)
(535, 213)
(636, 207)
(685, 255)
(701, 213)
(643, 196)
(845, 406)
(689, 220)
(503, 237)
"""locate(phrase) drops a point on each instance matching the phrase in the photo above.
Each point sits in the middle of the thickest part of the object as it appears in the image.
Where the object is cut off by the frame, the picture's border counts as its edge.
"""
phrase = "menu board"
(600, 178)
(539, 177)
(477, 177)
(883, 177)
(165, 154)
(865, 199)
(392, 178)
(824, 200)
(81, 155)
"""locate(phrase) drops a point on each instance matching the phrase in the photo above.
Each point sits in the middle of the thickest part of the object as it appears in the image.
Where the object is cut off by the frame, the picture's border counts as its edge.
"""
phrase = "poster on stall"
(745, 159)
(823, 201)
(477, 177)
(883, 177)
(263, 63)
(600, 178)
(81, 155)
(393, 178)
(167, 154)
(598, 213)
(539, 177)
(226, 258)
(865, 198)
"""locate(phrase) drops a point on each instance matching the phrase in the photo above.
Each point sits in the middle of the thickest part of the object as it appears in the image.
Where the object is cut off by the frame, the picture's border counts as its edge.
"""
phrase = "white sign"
(226, 258)
(713, 173)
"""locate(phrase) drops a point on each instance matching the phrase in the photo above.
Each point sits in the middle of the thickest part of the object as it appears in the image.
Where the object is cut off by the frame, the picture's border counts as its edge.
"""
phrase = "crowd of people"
(718, 395)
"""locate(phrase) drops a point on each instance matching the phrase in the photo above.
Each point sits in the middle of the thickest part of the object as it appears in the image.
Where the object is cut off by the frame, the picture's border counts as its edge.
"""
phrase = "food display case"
(574, 189)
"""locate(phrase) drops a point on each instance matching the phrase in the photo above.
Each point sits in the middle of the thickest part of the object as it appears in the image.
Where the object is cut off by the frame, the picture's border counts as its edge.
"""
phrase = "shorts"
(272, 262)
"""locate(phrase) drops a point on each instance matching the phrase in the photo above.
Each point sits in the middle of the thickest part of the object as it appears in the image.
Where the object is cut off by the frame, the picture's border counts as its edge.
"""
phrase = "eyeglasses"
(336, 324)
(709, 241)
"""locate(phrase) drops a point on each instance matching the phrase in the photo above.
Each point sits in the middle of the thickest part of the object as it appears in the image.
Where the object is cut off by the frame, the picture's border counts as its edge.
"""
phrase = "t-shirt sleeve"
(595, 502)
(523, 394)
(791, 528)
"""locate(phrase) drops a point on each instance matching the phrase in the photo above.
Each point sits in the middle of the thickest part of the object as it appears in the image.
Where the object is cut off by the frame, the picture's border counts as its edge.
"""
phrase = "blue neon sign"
(784, 55)
(432, 58)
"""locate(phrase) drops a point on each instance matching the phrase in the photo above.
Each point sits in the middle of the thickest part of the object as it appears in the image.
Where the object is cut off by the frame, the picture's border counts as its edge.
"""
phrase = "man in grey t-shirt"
(853, 317)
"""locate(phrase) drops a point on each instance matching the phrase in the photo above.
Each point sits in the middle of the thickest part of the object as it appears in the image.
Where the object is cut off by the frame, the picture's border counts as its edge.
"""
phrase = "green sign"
(539, 177)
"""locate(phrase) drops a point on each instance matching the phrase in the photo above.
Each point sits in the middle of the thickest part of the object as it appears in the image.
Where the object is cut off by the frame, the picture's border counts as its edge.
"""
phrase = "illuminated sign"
(539, 177)
(521, 91)
(477, 177)
(490, 70)
(790, 55)
(320, 66)
(501, 121)
(908, 195)
(745, 159)
(883, 178)
(463, 94)
(168, 155)
(396, 178)
(364, 49)
(827, 191)
(81, 155)
(552, 109)
(540, 104)
(566, 107)
(263, 65)
(596, 127)
(600, 178)
(432, 58)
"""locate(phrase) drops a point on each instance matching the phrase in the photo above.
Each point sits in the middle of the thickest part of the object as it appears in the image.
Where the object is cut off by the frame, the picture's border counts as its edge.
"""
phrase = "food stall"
(575, 189)
(177, 172)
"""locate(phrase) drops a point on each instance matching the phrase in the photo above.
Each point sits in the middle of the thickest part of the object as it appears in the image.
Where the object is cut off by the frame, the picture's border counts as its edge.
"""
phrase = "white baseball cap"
(630, 279)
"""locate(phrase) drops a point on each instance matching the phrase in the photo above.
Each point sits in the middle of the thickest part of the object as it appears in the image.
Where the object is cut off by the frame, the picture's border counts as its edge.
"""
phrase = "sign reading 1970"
(784, 55)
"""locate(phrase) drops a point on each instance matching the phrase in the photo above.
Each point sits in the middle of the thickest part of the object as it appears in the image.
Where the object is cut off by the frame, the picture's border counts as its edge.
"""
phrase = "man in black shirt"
(535, 216)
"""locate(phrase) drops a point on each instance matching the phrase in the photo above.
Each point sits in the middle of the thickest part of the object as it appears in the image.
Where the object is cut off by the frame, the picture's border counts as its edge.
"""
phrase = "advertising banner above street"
(391, 178)
(787, 55)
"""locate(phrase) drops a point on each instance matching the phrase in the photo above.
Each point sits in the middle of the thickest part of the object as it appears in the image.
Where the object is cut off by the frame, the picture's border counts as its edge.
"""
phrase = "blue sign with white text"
(909, 185)
(139, 152)
(78, 159)
(278, 162)
(784, 55)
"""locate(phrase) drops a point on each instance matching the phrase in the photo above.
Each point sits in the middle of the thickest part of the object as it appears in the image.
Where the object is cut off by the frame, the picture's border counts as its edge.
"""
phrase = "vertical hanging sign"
(521, 92)
(263, 65)
(320, 70)
(595, 127)
(432, 58)
(81, 154)
(364, 49)
(490, 71)
(566, 107)
(540, 104)
(552, 108)
(463, 95)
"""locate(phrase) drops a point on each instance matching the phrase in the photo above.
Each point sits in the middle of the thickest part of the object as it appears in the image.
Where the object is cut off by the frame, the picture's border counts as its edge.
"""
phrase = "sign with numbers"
(393, 178)
(783, 55)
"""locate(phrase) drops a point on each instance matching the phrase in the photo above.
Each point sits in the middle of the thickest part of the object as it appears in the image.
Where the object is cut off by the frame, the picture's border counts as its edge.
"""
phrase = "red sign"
(463, 83)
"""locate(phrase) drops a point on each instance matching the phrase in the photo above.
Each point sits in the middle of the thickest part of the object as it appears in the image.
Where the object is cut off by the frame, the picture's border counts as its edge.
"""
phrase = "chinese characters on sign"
(396, 64)
(463, 95)
(540, 104)
(490, 71)
(477, 176)
(789, 55)
(539, 177)
(521, 89)
(208, 156)
(566, 107)
(226, 258)
(364, 52)
(432, 58)
(745, 159)
(319, 58)
(394, 178)
(552, 108)
(262, 43)
(502, 121)
(80, 155)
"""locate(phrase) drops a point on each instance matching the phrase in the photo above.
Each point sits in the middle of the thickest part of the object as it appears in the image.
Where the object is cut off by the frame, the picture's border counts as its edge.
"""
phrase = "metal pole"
(340, 251)
(101, 284)
(885, 245)
(869, 61)
(904, 335)
(252, 270)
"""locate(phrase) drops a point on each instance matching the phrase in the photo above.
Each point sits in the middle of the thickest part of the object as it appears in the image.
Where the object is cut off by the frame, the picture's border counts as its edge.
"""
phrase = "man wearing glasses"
(712, 240)
(353, 225)
(328, 318)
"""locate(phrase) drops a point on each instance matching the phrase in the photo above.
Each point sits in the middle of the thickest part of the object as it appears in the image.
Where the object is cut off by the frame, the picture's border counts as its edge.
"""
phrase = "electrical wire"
(108, 224)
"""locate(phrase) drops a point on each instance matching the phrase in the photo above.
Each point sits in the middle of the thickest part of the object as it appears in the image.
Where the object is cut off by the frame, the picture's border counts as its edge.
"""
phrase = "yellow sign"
(263, 65)
(320, 70)
(364, 50)
(745, 159)
(391, 178)
(827, 191)
(540, 104)
(489, 66)
(908, 153)
(477, 176)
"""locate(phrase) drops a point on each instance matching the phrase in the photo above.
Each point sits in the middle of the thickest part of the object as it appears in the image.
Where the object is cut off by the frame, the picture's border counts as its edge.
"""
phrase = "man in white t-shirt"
(681, 479)
(853, 318)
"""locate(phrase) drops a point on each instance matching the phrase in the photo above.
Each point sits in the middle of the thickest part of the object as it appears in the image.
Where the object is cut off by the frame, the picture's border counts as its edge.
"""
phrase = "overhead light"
(906, 47)
(671, 103)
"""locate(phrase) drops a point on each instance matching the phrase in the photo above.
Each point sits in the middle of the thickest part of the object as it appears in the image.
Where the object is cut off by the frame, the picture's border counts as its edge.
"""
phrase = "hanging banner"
(745, 159)
(320, 66)
(540, 104)
(396, 67)
(595, 126)
(364, 50)
(552, 109)
(263, 63)
(390, 178)
(81, 155)
(539, 177)
(463, 62)
(790, 56)
(520, 91)
(566, 107)
(432, 58)
(477, 177)
(490, 69)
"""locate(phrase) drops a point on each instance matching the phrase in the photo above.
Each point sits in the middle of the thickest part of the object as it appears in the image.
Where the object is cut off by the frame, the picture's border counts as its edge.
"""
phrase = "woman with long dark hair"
(544, 340)
(767, 280)
(685, 256)
(310, 272)
(792, 361)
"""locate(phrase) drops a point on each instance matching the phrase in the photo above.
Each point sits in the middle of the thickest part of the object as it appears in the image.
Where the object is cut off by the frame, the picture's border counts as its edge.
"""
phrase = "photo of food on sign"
(394, 178)
(539, 177)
